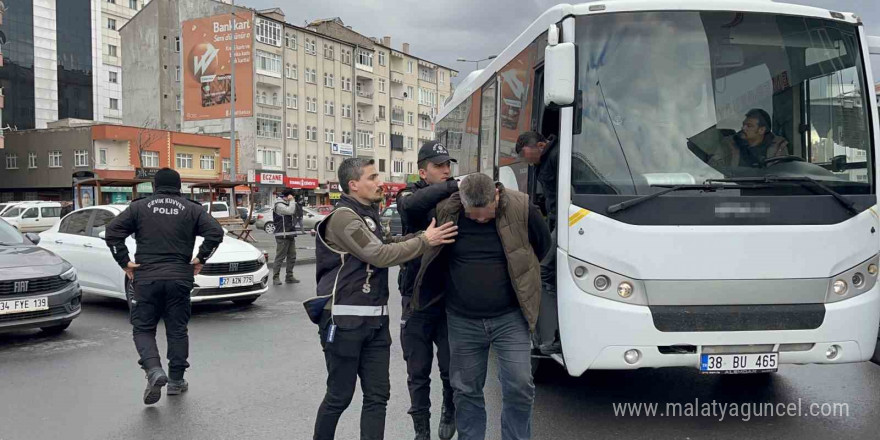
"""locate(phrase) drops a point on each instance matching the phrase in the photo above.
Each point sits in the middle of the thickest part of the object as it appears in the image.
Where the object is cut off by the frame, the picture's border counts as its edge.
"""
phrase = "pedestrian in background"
(283, 214)
(165, 226)
(351, 308)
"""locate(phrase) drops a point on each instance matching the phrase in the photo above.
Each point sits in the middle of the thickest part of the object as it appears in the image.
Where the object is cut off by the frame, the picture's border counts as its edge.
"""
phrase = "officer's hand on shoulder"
(444, 234)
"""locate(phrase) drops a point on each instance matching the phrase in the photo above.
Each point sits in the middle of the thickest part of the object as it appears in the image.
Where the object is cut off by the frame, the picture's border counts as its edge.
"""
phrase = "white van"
(33, 216)
(6, 206)
(217, 209)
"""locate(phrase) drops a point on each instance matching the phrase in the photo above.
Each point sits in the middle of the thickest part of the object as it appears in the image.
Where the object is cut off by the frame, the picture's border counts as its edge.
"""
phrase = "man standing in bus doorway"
(351, 308)
(543, 154)
(491, 281)
(421, 330)
(283, 214)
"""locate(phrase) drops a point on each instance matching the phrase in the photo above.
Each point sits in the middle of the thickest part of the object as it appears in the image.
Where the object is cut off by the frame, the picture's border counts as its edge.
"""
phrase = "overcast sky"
(444, 30)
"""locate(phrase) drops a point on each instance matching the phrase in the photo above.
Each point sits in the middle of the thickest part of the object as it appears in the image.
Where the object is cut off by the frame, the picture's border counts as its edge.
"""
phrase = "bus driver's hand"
(438, 235)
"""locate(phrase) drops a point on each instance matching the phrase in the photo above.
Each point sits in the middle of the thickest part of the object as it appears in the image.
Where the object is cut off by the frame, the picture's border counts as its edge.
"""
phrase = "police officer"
(422, 330)
(284, 216)
(165, 226)
(352, 307)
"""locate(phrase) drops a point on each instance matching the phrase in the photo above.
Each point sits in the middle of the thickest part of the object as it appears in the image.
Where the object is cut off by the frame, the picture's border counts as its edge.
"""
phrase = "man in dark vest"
(352, 274)
(421, 331)
(491, 280)
(284, 216)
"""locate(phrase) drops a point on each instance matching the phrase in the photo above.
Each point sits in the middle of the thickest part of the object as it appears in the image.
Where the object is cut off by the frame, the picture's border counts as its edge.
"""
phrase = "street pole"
(232, 153)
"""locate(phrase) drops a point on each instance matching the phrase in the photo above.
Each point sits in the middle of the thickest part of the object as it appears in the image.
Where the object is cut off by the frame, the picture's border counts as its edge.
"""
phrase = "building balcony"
(365, 95)
(396, 77)
(397, 122)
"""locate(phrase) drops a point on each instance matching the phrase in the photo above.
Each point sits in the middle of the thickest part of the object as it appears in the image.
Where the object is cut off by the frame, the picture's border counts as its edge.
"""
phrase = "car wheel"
(244, 302)
(55, 329)
(269, 228)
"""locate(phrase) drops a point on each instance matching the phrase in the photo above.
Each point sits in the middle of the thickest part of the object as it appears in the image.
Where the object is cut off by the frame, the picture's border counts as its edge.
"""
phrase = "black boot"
(447, 421)
(422, 425)
(276, 279)
(156, 379)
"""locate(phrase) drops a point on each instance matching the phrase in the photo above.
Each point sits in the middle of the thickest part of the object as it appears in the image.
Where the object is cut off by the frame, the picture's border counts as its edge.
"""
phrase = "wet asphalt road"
(258, 373)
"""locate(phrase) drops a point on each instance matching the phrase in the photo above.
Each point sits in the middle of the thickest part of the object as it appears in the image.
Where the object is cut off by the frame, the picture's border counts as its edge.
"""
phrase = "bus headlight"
(853, 282)
(601, 282)
(872, 269)
(839, 287)
(625, 290)
(597, 281)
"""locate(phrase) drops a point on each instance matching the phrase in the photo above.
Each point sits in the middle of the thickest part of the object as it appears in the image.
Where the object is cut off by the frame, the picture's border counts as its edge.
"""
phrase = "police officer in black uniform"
(422, 330)
(352, 307)
(165, 226)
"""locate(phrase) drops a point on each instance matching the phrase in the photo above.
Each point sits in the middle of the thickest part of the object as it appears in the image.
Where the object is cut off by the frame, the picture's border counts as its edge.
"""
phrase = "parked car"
(236, 272)
(391, 216)
(38, 289)
(217, 209)
(323, 209)
(266, 222)
(33, 217)
(6, 206)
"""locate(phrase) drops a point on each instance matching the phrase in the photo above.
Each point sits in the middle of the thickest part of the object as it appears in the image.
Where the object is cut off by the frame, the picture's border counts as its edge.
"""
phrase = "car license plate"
(246, 280)
(24, 305)
(738, 363)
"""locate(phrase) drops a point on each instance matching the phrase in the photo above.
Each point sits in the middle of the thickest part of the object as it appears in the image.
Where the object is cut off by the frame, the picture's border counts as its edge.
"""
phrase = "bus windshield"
(673, 98)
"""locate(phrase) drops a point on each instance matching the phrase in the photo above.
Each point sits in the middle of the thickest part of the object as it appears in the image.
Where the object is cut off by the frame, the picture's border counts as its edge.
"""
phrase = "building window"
(268, 32)
(409, 168)
(346, 84)
(268, 63)
(112, 2)
(226, 164)
(177, 44)
(102, 156)
(268, 157)
(328, 80)
(290, 41)
(381, 139)
(81, 158)
(207, 162)
(424, 123)
(346, 111)
(114, 104)
(111, 50)
(133, 4)
(328, 51)
(311, 47)
(382, 112)
(269, 126)
(183, 160)
(114, 78)
(410, 91)
(149, 159)
(382, 58)
(292, 131)
(329, 108)
(365, 140)
(365, 57)
(312, 162)
(329, 135)
(11, 161)
(346, 56)
(442, 77)
(54, 159)
(32, 160)
(346, 137)
(179, 102)
(292, 160)
(409, 67)
(381, 86)
(409, 143)
(397, 169)
(111, 24)
(410, 118)
(291, 101)
(312, 105)
(381, 165)
(329, 163)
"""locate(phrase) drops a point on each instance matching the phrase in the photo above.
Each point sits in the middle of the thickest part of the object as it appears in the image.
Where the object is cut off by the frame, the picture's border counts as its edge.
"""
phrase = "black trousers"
(167, 300)
(419, 333)
(363, 353)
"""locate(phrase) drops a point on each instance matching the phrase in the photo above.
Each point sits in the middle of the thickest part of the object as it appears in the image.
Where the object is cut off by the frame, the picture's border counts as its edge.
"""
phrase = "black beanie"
(167, 179)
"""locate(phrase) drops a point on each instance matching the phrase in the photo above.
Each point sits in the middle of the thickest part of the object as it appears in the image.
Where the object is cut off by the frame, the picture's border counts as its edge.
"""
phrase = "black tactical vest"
(352, 281)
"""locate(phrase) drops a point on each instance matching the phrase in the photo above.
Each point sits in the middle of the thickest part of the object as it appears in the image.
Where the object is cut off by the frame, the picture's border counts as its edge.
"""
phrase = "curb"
(299, 261)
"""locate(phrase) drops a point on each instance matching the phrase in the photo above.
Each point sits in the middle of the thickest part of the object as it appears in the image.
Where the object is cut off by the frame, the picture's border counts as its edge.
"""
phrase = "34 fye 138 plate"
(9, 306)
(236, 281)
(738, 363)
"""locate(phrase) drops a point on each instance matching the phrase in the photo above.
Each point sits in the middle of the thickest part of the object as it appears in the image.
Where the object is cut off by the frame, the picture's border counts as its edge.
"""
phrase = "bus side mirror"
(560, 70)
(874, 45)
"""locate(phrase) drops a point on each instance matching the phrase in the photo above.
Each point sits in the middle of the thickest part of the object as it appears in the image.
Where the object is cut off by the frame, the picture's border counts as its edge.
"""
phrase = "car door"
(68, 243)
(30, 220)
(108, 276)
(49, 215)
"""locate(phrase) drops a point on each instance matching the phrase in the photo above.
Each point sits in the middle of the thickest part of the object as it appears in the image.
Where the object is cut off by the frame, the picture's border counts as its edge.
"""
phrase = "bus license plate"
(24, 305)
(236, 281)
(738, 363)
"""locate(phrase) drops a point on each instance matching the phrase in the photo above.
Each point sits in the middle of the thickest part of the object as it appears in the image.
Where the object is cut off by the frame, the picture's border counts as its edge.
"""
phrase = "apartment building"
(63, 60)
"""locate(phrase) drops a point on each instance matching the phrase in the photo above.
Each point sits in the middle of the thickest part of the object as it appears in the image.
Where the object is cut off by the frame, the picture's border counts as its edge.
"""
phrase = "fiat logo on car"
(233, 267)
(20, 287)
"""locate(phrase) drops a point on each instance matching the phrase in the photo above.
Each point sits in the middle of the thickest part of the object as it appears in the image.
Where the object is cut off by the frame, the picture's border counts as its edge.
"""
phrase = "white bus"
(685, 239)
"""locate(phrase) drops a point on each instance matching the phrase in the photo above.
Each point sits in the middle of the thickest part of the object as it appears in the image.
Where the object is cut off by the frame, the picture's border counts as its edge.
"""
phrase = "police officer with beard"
(352, 307)
(165, 226)
(422, 330)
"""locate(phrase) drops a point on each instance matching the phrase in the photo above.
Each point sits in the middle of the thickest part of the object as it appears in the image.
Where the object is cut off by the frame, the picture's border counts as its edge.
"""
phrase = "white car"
(236, 272)
(33, 216)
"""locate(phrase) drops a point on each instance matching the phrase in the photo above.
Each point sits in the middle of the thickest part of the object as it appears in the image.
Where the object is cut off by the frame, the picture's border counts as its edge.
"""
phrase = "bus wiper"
(639, 200)
(803, 181)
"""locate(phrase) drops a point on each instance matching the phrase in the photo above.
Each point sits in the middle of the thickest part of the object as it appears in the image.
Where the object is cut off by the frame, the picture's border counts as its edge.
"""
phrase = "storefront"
(270, 185)
(305, 188)
(328, 194)
(391, 190)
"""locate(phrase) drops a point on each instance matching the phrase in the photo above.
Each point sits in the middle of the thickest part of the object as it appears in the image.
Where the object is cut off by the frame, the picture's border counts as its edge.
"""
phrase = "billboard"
(207, 67)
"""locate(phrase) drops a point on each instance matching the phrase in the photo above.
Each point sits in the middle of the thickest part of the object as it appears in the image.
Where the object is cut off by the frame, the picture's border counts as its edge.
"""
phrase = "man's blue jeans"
(469, 343)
